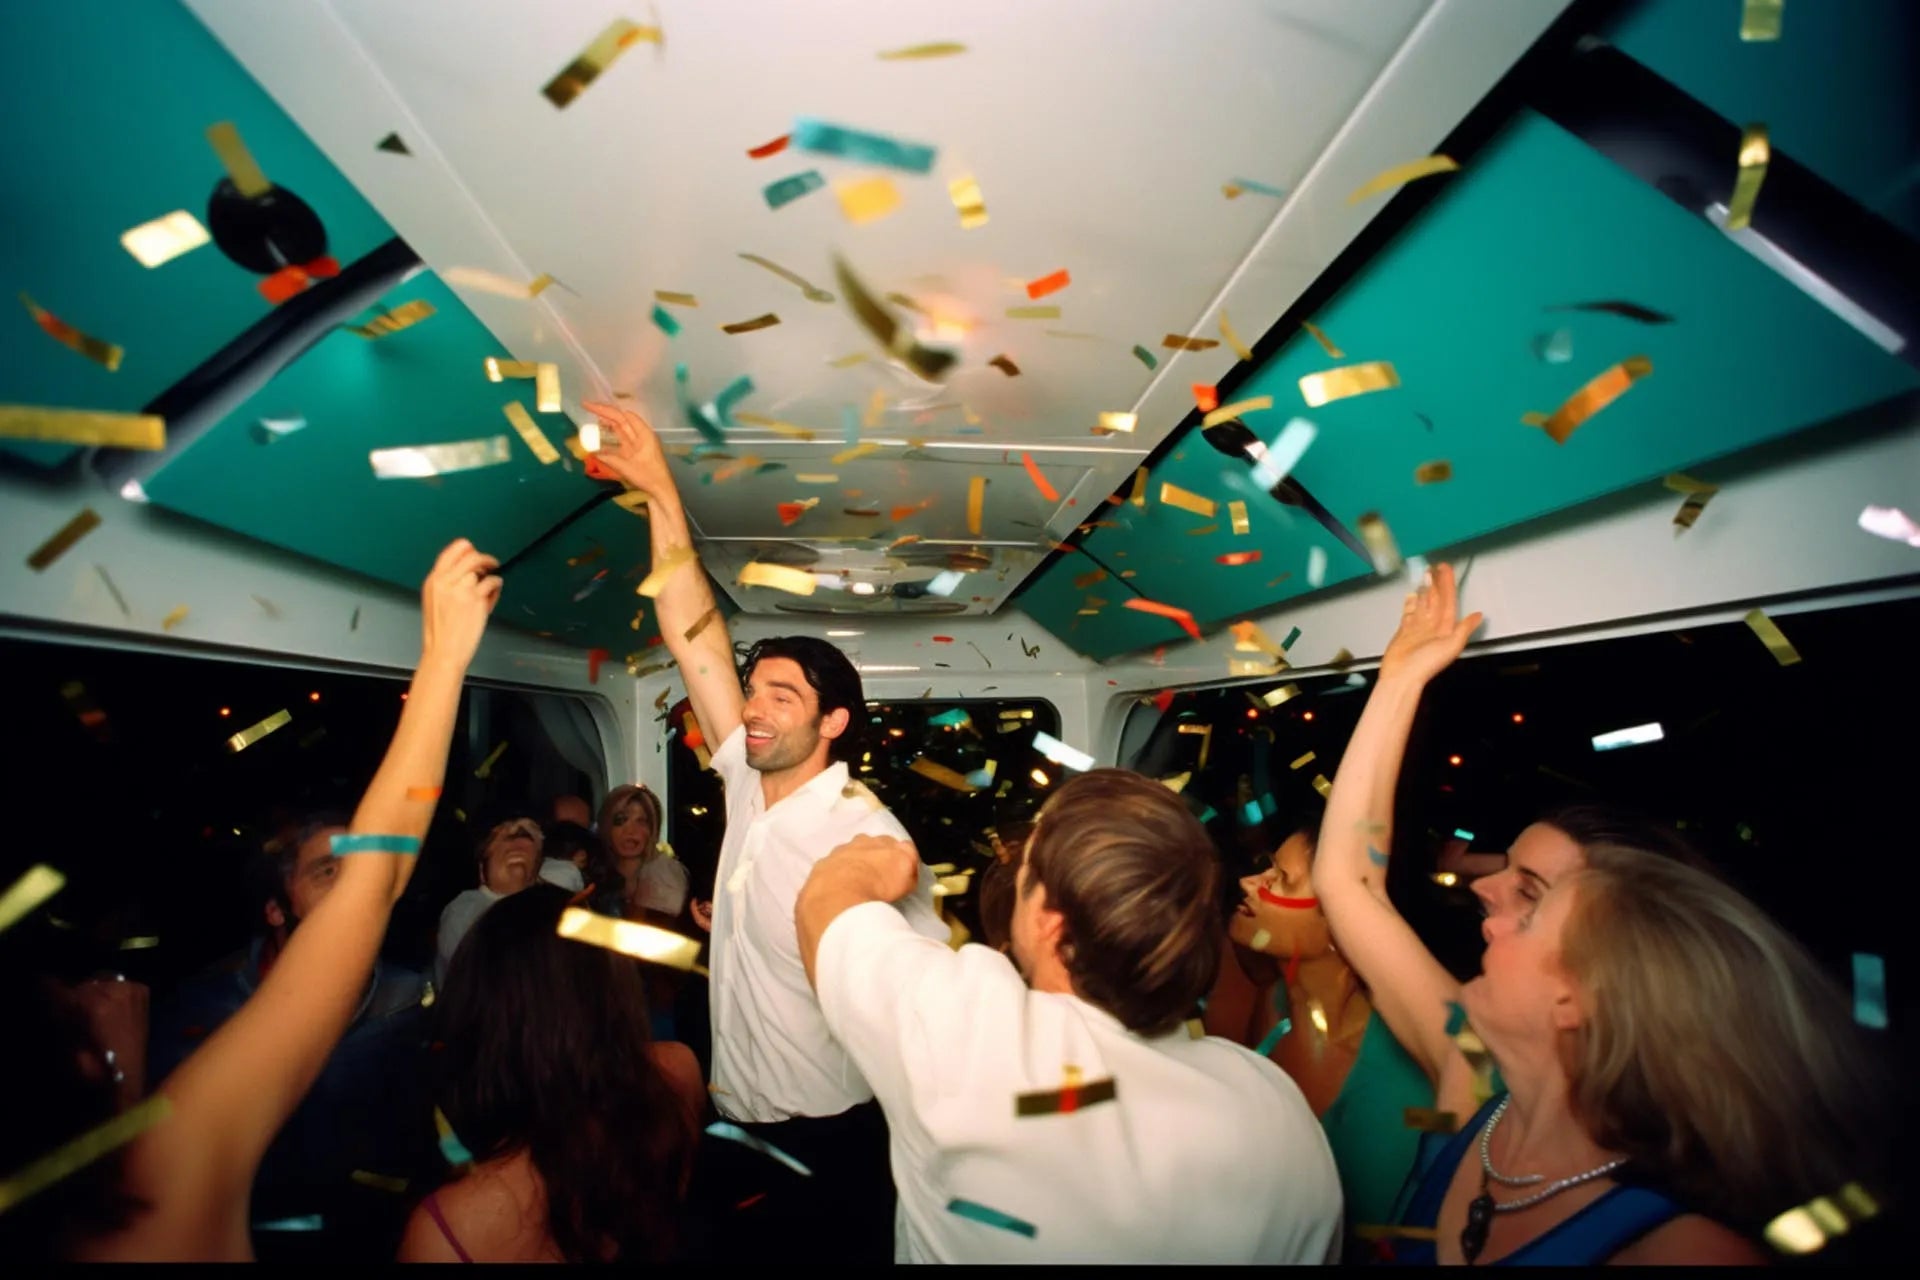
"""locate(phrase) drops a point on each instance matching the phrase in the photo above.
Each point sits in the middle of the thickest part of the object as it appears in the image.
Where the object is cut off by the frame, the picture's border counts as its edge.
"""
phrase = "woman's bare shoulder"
(1691, 1240)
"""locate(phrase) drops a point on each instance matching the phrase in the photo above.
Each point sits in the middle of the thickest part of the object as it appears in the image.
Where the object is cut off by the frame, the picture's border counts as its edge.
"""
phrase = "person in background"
(179, 1189)
(570, 809)
(1055, 1108)
(779, 745)
(1678, 1071)
(996, 885)
(580, 1126)
(509, 859)
(655, 881)
(1286, 991)
(364, 1111)
(587, 852)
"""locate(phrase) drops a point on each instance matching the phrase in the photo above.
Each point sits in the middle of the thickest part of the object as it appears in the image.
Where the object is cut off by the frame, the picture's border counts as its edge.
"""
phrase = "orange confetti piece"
(1180, 342)
(1595, 396)
(1047, 491)
(1037, 289)
(425, 795)
(773, 148)
(1236, 558)
(1208, 398)
(902, 512)
(594, 658)
(1005, 365)
(792, 511)
(1179, 615)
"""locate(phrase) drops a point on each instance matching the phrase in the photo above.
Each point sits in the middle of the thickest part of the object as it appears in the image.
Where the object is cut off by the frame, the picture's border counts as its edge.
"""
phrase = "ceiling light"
(861, 588)
(1630, 737)
(843, 635)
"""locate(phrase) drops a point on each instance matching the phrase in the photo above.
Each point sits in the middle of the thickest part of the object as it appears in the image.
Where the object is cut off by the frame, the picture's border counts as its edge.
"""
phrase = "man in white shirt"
(778, 1073)
(1061, 1111)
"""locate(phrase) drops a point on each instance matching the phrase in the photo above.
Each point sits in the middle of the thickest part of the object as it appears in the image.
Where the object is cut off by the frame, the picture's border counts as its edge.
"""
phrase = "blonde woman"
(1678, 1071)
(656, 881)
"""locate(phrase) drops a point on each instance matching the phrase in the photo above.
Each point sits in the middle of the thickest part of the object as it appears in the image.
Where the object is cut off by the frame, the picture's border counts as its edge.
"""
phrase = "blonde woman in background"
(1678, 1070)
(656, 881)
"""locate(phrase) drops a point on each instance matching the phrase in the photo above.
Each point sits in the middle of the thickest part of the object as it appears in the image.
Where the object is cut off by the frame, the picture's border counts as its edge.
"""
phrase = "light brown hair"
(619, 798)
(1134, 876)
(1715, 1052)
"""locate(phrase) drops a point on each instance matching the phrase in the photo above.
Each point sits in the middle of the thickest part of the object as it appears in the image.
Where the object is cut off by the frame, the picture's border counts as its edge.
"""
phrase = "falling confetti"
(392, 144)
(1401, 174)
(1238, 409)
(898, 339)
(529, 431)
(1891, 523)
(1350, 380)
(1005, 365)
(619, 36)
(69, 1159)
(60, 543)
(1326, 343)
(766, 321)
(778, 577)
(1180, 342)
(1284, 453)
(1047, 491)
(253, 733)
(401, 317)
(968, 202)
(1697, 492)
(1173, 495)
(1760, 19)
(629, 938)
(106, 354)
(787, 190)
(866, 148)
(1555, 347)
(868, 200)
(1174, 612)
(1379, 541)
(24, 896)
(1595, 396)
(1775, 639)
(734, 1133)
(1038, 289)
(160, 241)
(419, 461)
(1755, 154)
(1033, 313)
(772, 148)
(1437, 472)
(1630, 310)
(938, 49)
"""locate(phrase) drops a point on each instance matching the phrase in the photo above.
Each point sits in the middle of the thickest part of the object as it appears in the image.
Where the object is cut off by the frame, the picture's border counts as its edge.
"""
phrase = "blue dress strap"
(1598, 1231)
(1440, 1155)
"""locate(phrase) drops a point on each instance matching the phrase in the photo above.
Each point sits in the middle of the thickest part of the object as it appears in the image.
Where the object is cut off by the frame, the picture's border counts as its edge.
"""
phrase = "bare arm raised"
(706, 661)
(1410, 988)
(195, 1169)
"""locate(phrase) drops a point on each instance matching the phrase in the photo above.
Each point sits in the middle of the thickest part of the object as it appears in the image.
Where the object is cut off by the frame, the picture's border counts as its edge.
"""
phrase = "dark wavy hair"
(834, 680)
(547, 1052)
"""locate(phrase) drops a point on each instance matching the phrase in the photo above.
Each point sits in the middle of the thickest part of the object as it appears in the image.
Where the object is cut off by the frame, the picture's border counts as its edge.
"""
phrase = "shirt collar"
(814, 797)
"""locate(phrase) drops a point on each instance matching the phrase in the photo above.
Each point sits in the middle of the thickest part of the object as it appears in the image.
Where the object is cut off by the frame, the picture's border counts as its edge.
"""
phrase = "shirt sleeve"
(730, 761)
(876, 976)
(663, 886)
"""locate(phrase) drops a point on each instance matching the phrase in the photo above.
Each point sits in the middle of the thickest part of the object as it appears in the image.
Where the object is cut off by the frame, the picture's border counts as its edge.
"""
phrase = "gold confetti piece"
(1351, 380)
(1594, 397)
(807, 477)
(860, 450)
(1321, 785)
(1204, 529)
(174, 618)
(60, 543)
(806, 287)
(1380, 544)
(976, 500)
(1760, 19)
(1400, 175)
(630, 938)
(420, 461)
(633, 500)
(26, 894)
(735, 467)
(1139, 496)
(1238, 510)
(848, 361)
(546, 388)
(1427, 1120)
(1233, 339)
(1285, 693)
(1088, 579)
(766, 321)
(401, 317)
(493, 758)
(98, 350)
(934, 771)
(538, 285)
(1326, 343)
(1303, 761)
(677, 559)
(702, 622)
(1033, 313)
(1119, 421)
(1698, 494)
(868, 200)
(902, 300)
(1173, 495)
(677, 299)
(897, 338)
(1228, 412)
(619, 36)
(972, 206)
(1180, 342)
(774, 425)
(155, 243)
(1249, 638)
(1433, 472)
(876, 406)
(1531, 418)
(242, 171)
(779, 577)
(253, 733)
(78, 426)
(380, 1181)
(1754, 157)
(498, 369)
(67, 1160)
(938, 49)
(1005, 365)
(1254, 667)
(1775, 639)
(529, 431)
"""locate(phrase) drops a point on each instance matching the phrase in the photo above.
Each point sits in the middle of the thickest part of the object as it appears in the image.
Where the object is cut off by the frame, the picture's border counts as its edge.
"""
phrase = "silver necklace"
(1486, 1166)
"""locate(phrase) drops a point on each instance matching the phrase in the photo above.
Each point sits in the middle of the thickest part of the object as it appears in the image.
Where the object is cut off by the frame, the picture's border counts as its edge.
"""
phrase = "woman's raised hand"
(455, 600)
(1431, 633)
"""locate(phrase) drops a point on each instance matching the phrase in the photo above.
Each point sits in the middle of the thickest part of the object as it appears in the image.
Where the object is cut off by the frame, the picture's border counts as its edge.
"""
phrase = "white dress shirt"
(1207, 1153)
(773, 1057)
(454, 923)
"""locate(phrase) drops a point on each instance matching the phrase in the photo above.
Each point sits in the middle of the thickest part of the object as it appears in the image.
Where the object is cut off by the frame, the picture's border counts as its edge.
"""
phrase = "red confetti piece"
(597, 470)
(1049, 284)
(324, 267)
(1174, 612)
(773, 148)
(1047, 491)
(284, 284)
(1163, 699)
(943, 639)
(792, 511)
(594, 658)
(1208, 398)
(755, 1199)
(1238, 557)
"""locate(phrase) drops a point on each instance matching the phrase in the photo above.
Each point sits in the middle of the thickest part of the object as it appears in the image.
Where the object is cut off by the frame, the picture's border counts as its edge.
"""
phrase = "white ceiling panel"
(1100, 132)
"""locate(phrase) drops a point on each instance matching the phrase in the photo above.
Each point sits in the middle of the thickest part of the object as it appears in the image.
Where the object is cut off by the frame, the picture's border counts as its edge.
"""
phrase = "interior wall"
(1782, 533)
(246, 601)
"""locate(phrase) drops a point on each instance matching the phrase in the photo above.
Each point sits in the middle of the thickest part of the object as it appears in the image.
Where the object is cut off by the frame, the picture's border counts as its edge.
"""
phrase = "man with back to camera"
(778, 1073)
(1060, 1111)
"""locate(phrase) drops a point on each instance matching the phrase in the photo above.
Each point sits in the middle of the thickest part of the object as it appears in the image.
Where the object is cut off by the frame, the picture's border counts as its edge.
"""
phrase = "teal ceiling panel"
(1837, 91)
(107, 104)
(1171, 555)
(313, 491)
(579, 587)
(1462, 305)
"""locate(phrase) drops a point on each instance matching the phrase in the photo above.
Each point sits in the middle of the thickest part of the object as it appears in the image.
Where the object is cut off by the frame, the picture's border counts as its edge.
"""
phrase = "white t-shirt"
(662, 885)
(1208, 1152)
(454, 923)
(773, 1057)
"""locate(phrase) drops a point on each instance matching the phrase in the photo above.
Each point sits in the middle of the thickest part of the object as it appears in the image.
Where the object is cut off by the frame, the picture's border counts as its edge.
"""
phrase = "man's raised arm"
(631, 451)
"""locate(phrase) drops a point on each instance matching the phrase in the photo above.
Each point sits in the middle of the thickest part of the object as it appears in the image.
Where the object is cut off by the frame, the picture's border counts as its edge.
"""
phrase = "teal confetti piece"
(867, 148)
(953, 719)
(1267, 807)
(452, 1150)
(787, 190)
(734, 1133)
(1456, 1017)
(1291, 637)
(1208, 815)
(373, 844)
(1379, 858)
(1259, 188)
(1460, 833)
(992, 1217)
(1275, 1036)
(850, 424)
(664, 318)
(311, 1222)
(734, 392)
(980, 778)
(1146, 357)
(1250, 813)
(1870, 991)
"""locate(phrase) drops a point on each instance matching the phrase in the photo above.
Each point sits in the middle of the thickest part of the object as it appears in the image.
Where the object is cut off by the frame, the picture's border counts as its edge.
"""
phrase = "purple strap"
(432, 1205)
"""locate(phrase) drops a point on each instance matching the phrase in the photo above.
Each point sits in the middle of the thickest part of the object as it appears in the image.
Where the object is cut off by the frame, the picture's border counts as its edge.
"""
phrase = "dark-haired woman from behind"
(580, 1125)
